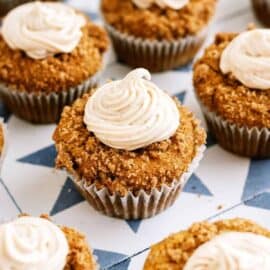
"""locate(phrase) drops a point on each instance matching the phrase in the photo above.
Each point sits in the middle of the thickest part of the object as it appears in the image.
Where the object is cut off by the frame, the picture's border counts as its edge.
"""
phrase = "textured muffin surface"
(84, 156)
(56, 73)
(173, 252)
(156, 23)
(224, 94)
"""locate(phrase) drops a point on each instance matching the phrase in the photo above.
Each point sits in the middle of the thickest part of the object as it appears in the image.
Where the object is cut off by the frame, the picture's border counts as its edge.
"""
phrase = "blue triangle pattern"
(4, 113)
(107, 259)
(181, 96)
(93, 15)
(196, 186)
(258, 178)
(134, 224)
(68, 197)
(261, 201)
(44, 157)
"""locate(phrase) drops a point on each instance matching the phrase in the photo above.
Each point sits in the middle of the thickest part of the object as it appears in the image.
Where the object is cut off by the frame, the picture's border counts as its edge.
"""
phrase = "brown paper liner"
(262, 10)
(241, 140)
(156, 56)
(143, 205)
(41, 108)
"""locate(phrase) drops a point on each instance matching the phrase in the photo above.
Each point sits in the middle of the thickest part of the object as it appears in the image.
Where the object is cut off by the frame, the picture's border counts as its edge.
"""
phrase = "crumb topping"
(55, 73)
(84, 156)
(173, 252)
(157, 23)
(224, 94)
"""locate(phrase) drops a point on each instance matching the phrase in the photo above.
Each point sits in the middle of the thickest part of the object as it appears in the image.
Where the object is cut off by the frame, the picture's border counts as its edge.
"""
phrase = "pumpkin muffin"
(36, 243)
(129, 147)
(232, 84)
(226, 244)
(48, 66)
(157, 35)
(262, 10)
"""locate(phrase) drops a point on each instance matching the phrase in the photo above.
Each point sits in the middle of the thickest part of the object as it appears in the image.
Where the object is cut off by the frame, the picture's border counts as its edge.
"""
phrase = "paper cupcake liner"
(42, 108)
(242, 140)
(155, 55)
(262, 10)
(143, 205)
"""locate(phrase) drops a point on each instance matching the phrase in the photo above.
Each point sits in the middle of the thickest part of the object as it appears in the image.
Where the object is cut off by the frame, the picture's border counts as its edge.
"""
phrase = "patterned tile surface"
(225, 185)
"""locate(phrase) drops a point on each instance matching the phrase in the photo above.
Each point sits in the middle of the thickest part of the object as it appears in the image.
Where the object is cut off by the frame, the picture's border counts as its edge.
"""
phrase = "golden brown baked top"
(224, 94)
(173, 252)
(55, 73)
(80, 256)
(156, 23)
(84, 156)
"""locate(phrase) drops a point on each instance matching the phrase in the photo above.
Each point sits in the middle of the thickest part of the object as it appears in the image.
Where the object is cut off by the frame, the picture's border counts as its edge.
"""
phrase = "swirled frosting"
(30, 243)
(131, 113)
(232, 251)
(173, 4)
(43, 29)
(247, 57)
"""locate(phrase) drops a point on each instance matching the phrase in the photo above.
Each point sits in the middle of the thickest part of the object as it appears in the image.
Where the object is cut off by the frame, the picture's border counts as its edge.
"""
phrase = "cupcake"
(157, 34)
(38, 244)
(232, 84)
(129, 147)
(262, 10)
(50, 54)
(224, 245)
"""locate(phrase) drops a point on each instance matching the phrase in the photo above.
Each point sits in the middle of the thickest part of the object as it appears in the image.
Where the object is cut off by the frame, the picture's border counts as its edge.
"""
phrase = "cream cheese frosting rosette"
(173, 4)
(131, 113)
(232, 251)
(247, 57)
(43, 29)
(29, 243)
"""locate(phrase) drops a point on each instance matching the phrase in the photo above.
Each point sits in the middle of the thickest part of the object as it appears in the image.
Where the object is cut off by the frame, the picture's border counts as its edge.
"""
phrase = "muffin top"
(127, 135)
(158, 20)
(49, 47)
(232, 79)
(36, 243)
(229, 244)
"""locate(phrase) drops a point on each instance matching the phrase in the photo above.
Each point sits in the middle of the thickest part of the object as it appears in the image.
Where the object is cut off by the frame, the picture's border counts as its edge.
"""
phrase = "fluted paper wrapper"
(156, 56)
(242, 140)
(262, 10)
(143, 205)
(43, 108)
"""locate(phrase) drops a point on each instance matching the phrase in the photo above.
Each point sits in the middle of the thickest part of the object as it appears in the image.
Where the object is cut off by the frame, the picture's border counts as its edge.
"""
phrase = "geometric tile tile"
(196, 186)
(68, 197)
(181, 96)
(44, 157)
(107, 259)
(258, 178)
(134, 224)
(261, 201)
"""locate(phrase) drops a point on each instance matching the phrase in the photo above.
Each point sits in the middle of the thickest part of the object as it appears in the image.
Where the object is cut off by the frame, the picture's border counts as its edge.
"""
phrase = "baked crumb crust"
(84, 156)
(56, 73)
(173, 252)
(156, 23)
(224, 94)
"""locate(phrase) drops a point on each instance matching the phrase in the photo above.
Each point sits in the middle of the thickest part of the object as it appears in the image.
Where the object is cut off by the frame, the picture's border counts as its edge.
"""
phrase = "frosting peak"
(131, 113)
(173, 4)
(232, 251)
(43, 29)
(32, 243)
(247, 57)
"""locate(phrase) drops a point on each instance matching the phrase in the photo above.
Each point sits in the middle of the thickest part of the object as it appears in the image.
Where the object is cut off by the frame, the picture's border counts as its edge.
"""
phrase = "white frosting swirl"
(30, 243)
(232, 251)
(131, 113)
(43, 29)
(173, 4)
(247, 57)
